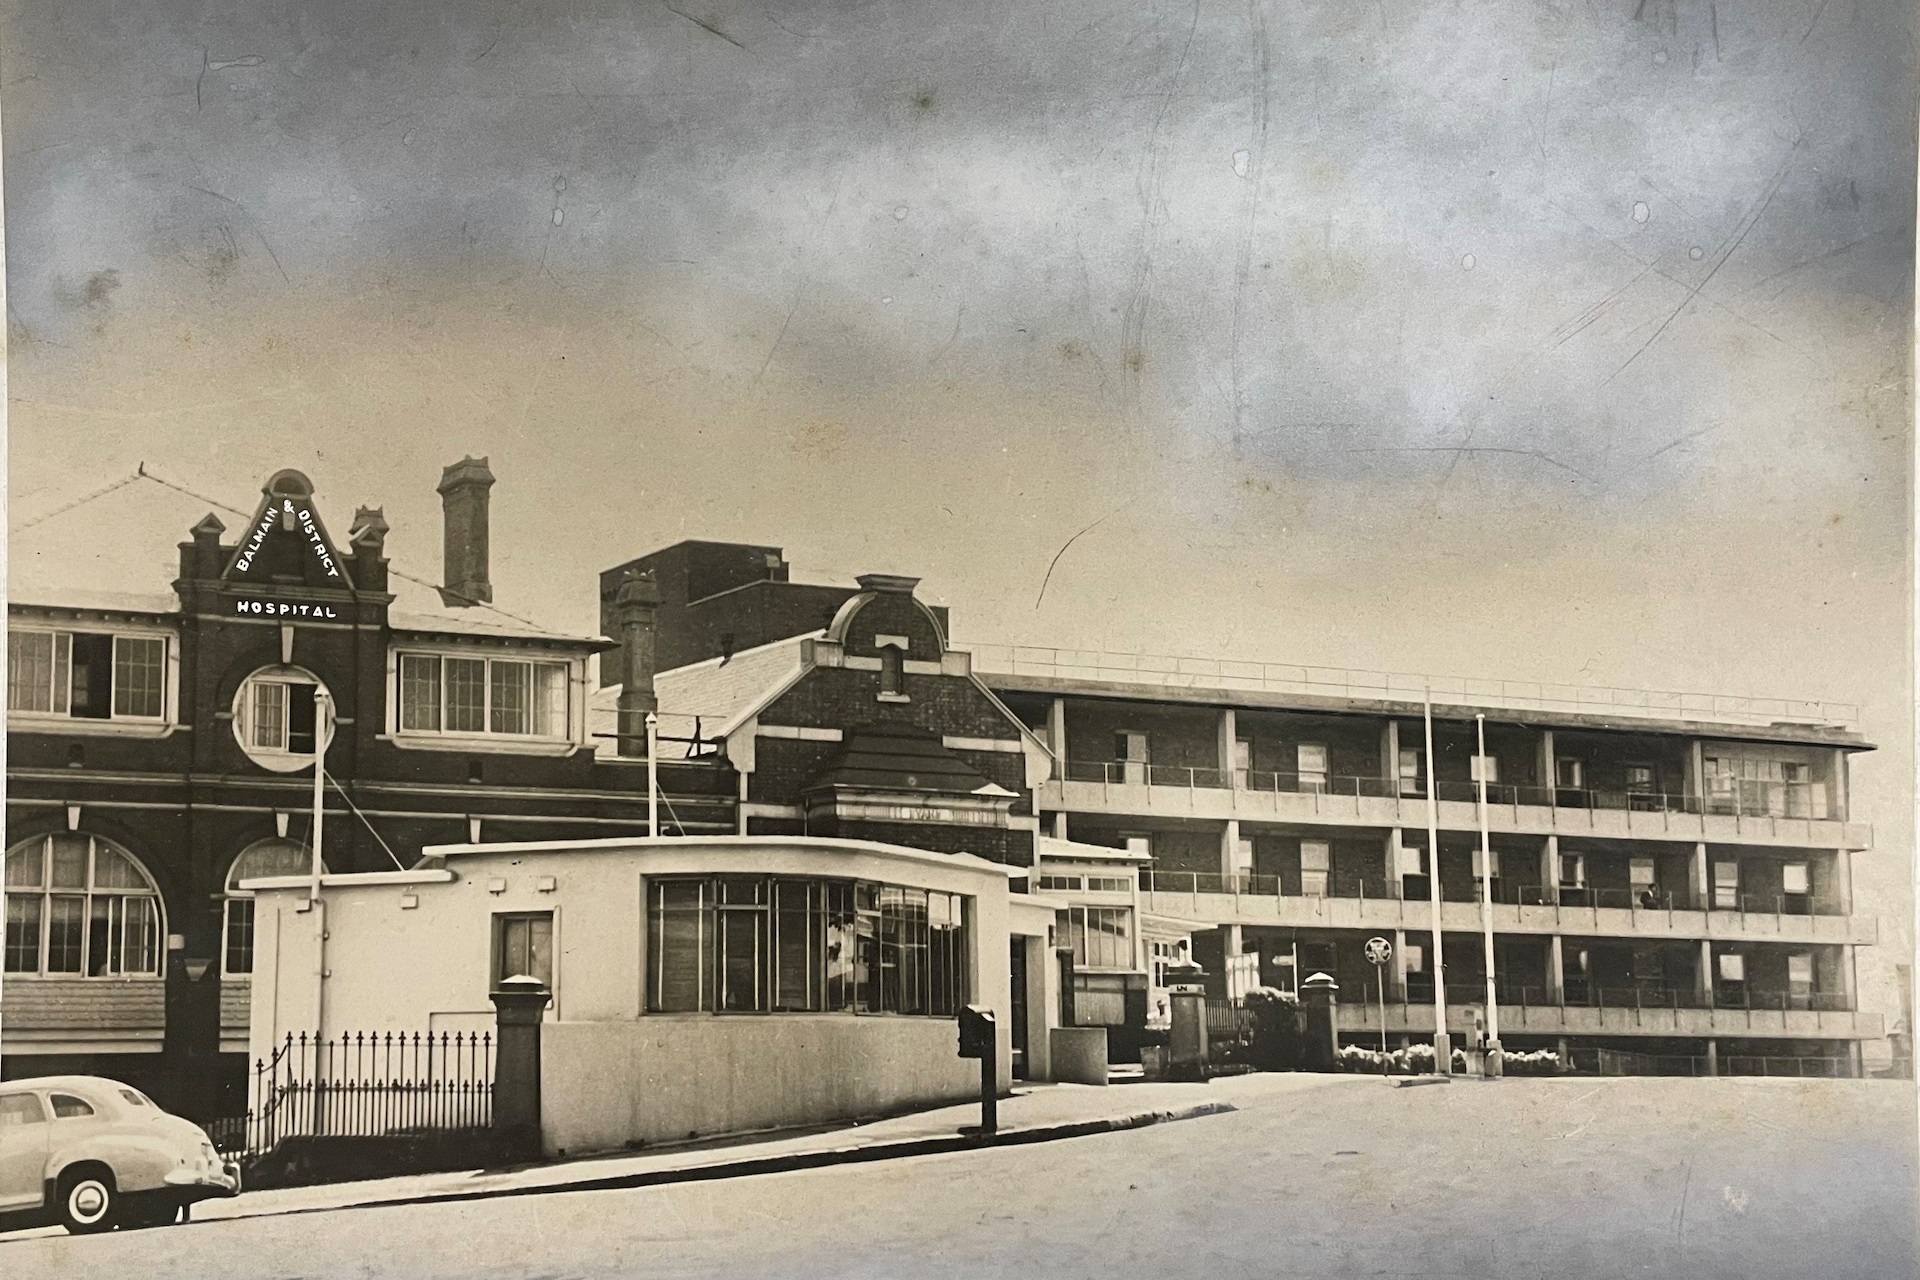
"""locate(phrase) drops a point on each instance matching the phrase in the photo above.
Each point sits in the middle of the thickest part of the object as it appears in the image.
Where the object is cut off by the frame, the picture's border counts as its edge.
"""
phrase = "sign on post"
(1379, 952)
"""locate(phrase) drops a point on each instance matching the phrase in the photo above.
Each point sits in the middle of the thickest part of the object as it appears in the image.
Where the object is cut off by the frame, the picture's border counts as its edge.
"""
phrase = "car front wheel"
(88, 1200)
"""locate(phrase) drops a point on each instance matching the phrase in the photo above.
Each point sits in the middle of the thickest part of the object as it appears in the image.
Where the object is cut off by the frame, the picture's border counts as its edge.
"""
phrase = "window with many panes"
(258, 861)
(780, 944)
(523, 946)
(511, 697)
(87, 675)
(79, 906)
(1101, 937)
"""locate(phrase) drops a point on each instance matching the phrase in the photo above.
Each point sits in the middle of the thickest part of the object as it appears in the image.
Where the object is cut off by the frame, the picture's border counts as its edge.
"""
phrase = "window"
(1640, 778)
(1733, 968)
(257, 861)
(1312, 760)
(1800, 973)
(1794, 878)
(1109, 884)
(1640, 873)
(1139, 844)
(87, 675)
(1570, 773)
(1101, 937)
(1130, 750)
(1316, 861)
(1062, 884)
(1763, 788)
(20, 1109)
(1410, 772)
(1573, 871)
(493, 696)
(758, 944)
(1415, 956)
(77, 905)
(276, 718)
(1726, 886)
(892, 668)
(523, 946)
(133, 1099)
(1484, 769)
(68, 1107)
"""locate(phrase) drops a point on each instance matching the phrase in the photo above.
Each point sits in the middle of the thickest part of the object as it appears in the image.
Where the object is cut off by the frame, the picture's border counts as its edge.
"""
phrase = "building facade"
(1670, 878)
(161, 748)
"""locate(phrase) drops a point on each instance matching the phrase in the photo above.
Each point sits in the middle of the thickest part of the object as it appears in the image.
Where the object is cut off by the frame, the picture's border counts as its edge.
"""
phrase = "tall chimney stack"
(633, 615)
(463, 497)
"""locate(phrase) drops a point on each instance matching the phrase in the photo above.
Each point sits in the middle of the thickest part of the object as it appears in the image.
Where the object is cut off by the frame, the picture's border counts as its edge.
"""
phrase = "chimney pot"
(463, 496)
(887, 583)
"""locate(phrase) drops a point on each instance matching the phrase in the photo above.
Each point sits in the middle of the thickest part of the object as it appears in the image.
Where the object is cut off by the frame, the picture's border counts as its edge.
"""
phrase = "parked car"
(94, 1154)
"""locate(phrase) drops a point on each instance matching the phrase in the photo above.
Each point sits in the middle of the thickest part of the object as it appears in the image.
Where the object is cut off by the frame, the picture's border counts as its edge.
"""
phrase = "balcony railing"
(1581, 994)
(1798, 800)
(1172, 672)
(1504, 894)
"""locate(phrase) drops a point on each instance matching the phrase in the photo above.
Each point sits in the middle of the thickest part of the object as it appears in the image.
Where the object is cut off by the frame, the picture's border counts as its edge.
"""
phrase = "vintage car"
(94, 1154)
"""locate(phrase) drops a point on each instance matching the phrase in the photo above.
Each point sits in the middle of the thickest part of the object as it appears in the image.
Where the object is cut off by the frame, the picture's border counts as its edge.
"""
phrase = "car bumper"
(206, 1184)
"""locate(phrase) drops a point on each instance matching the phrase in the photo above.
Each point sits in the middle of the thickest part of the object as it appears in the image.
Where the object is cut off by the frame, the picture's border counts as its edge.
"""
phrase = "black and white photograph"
(874, 638)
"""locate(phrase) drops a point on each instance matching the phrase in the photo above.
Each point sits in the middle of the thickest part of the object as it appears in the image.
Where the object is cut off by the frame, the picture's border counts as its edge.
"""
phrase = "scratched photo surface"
(1558, 342)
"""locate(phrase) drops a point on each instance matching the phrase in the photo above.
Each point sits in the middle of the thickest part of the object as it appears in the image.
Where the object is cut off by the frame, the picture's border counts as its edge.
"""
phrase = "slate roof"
(722, 694)
(877, 759)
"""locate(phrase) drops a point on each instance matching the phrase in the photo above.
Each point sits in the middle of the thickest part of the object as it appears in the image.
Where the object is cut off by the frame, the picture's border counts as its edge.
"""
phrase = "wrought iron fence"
(364, 1084)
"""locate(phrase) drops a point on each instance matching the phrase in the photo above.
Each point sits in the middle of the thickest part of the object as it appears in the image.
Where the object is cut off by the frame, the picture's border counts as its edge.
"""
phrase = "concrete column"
(1556, 971)
(1400, 964)
(1550, 870)
(1547, 778)
(1703, 978)
(1230, 848)
(1713, 1057)
(1837, 793)
(1696, 782)
(1843, 867)
(1855, 1068)
(1849, 976)
(1390, 756)
(1229, 734)
(1235, 941)
(1702, 887)
(1060, 825)
(1057, 733)
(1043, 1007)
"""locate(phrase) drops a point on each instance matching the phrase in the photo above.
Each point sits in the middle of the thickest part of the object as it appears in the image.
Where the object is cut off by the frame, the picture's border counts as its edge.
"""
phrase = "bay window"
(1101, 937)
(783, 944)
(449, 694)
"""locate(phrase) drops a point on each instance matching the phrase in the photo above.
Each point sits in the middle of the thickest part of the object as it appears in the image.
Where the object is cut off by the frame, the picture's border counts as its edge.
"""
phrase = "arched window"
(257, 861)
(78, 905)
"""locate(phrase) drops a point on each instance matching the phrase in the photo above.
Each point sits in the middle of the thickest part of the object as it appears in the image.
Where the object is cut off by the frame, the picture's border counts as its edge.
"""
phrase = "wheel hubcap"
(88, 1201)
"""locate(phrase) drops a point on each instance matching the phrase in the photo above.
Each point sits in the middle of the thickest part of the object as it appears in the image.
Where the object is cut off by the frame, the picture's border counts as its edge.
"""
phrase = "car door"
(23, 1151)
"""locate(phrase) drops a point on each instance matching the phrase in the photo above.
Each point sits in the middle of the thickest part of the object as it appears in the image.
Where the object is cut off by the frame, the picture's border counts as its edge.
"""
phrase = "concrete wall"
(669, 1077)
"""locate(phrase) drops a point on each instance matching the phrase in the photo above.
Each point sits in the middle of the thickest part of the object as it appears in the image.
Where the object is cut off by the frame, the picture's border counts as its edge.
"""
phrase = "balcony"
(1789, 814)
(1681, 1015)
(1209, 899)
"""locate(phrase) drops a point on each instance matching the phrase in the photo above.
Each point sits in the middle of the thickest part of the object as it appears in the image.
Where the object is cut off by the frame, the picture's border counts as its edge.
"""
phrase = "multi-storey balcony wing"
(1155, 790)
(1209, 899)
(1608, 1020)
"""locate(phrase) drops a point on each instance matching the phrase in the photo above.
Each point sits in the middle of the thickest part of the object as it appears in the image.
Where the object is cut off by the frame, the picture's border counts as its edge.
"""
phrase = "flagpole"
(1492, 1059)
(653, 774)
(322, 713)
(1442, 1044)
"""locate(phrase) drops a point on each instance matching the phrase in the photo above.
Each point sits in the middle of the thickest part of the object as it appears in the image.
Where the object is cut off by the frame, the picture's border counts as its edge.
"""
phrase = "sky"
(1545, 341)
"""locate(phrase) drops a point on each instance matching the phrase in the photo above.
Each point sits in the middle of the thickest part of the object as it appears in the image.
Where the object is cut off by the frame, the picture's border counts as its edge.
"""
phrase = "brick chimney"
(368, 537)
(463, 497)
(634, 609)
(204, 557)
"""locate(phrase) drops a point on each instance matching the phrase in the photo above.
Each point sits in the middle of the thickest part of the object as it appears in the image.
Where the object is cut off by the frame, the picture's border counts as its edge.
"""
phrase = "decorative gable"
(287, 541)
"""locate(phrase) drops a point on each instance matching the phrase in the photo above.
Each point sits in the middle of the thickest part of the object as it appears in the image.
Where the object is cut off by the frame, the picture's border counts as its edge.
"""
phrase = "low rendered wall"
(1079, 1054)
(663, 1078)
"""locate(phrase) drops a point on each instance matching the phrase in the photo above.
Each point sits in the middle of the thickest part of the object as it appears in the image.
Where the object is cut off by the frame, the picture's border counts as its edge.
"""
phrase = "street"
(1521, 1178)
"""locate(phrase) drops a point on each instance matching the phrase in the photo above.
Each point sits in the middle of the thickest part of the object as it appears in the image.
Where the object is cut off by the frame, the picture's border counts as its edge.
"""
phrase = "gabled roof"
(724, 692)
(886, 759)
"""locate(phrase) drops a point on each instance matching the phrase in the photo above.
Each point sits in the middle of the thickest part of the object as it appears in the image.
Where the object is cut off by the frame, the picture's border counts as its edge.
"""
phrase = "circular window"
(277, 718)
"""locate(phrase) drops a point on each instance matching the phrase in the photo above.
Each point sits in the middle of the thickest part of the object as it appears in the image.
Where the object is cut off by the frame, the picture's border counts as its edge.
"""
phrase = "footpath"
(1034, 1113)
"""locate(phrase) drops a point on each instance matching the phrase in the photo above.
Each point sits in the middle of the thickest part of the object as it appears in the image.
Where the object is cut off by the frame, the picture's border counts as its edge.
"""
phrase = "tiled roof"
(903, 760)
(721, 693)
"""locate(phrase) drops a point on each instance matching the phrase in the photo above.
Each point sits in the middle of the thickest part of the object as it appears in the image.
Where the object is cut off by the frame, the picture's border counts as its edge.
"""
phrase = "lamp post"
(1442, 1044)
(1491, 1062)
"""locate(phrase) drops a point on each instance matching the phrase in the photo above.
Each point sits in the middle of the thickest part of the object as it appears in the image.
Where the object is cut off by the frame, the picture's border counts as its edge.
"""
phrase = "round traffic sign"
(1379, 950)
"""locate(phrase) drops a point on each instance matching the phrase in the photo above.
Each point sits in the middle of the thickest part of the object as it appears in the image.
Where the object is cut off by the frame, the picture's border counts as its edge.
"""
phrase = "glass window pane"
(69, 860)
(114, 870)
(1793, 878)
(267, 858)
(66, 929)
(420, 692)
(29, 671)
(799, 927)
(240, 935)
(742, 944)
(26, 865)
(139, 675)
(466, 680)
(866, 961)
(23, 933)
(680, 930)
(512, 697)
(105, 944)
(269, 708)
(550, 700)
(840, 946)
